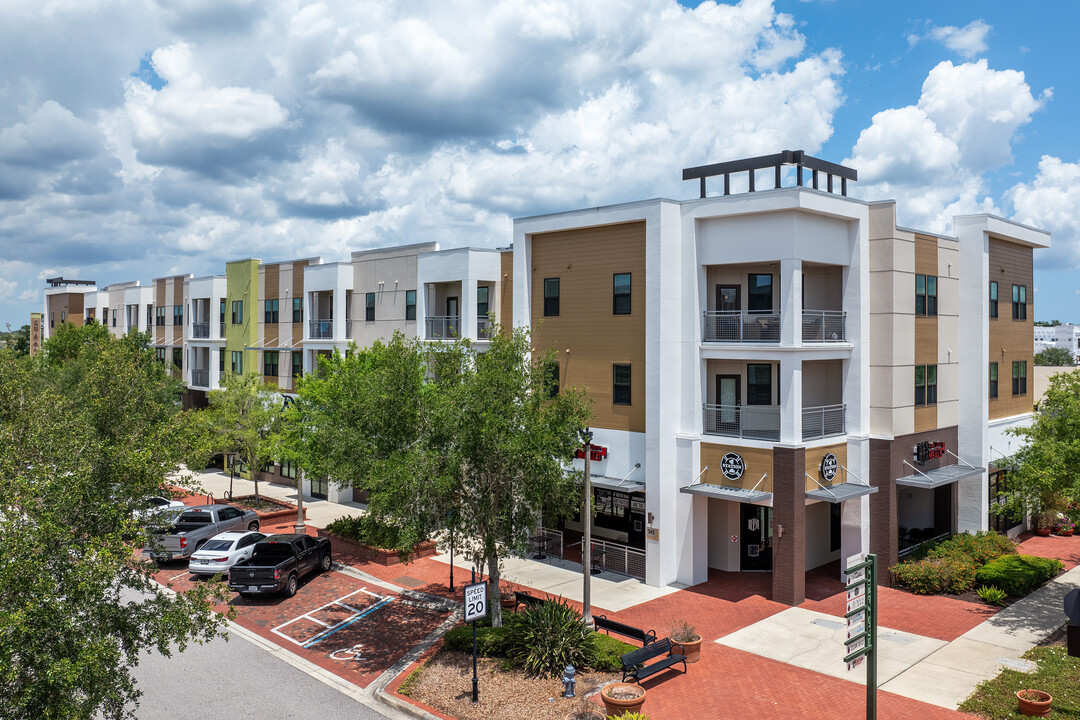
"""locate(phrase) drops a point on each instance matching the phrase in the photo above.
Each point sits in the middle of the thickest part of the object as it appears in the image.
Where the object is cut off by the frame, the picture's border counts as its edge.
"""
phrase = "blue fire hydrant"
(568, 682)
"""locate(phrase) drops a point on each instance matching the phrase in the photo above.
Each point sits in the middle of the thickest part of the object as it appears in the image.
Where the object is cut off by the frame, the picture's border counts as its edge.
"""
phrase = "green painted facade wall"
(242, 284)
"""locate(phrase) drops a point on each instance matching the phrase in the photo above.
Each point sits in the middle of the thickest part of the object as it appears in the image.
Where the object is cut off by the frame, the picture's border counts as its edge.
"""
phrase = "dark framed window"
(160, 316)
(369, 307)
(920, 385)
(178, 358)
(288, 469)
(221, 361)
(221, 314)
(149, 316)
(758, 384)
(926, 295)
(238, 361)
(105, 316)
(993, 299)
(993, 380)
(114, 318)
(759, 295)
(1019, 302)
(298, 310)
(551, 297)
(270, 311)
(237, 312)
(297, 364)
(925, 385)
(178, 315)
(483, 295)
(1019, 378)
(621, 294)
(160, 352)
(410, 304)
(551, 378)
(620, 385)
(270, 363)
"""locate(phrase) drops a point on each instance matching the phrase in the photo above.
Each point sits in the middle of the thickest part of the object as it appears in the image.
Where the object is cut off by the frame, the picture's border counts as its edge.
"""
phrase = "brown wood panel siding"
(1010, 340)
(298, 292)
(159, 301)
(76, 308)
(813, 465)
(270, 331)
(178, 299)
(271, 281)
(585, 261)
(506, 299)
(926, 328)
(925, 417)
(757, 462)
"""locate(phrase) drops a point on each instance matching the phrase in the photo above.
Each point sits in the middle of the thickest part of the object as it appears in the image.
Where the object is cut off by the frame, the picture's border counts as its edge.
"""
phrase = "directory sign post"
(861, 614)
(476, 607)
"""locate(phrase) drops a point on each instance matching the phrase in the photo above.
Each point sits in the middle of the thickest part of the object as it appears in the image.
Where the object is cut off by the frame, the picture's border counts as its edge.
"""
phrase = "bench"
(524, 598)
(633, 663)
(643, 636)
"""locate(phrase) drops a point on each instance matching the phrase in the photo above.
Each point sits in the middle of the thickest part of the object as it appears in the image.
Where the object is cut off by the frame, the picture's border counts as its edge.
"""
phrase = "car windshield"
(217, 545)
(273, 551)
(156, 502)
(196, 518)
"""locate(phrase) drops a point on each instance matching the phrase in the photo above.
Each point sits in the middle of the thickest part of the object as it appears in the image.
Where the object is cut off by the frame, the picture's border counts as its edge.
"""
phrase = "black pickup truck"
(278, 563)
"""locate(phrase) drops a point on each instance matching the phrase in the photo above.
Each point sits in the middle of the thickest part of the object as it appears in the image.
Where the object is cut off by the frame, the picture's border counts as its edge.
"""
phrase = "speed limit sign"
(476, 601)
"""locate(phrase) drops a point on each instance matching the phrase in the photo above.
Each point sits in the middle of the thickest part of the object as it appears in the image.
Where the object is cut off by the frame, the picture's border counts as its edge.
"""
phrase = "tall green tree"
(17, 340)
(1054, 356)
(83, 443)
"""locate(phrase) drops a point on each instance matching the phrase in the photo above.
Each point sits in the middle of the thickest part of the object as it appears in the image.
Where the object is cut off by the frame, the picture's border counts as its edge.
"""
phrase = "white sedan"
(221, 552)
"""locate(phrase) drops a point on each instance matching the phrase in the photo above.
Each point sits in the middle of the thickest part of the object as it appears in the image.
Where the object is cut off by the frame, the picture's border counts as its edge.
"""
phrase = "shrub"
(1018, 575)
(682, 632)
(631, 716)
(547, 637)
(992, 595)
(606, 652)
(954, 575)
(981, 548)
(365, 529)
(490, 641)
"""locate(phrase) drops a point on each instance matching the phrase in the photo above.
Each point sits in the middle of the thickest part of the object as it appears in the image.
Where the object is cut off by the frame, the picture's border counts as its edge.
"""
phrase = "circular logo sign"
(732, 466)
(828, 466)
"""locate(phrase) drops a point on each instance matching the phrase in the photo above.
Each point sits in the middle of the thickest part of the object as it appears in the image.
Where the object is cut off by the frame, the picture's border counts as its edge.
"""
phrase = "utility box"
(1072, 631)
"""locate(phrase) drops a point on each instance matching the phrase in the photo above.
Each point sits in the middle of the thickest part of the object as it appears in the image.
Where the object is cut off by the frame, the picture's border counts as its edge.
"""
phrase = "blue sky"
(207, 130)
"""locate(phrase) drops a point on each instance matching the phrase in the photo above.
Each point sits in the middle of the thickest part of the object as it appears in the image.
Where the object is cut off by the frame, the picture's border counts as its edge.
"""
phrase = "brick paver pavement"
(1065, 549)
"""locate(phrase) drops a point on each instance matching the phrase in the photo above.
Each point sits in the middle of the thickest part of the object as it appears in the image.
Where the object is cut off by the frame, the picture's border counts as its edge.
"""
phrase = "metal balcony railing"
(443, 327)
(483, 328)
(348, 328)
(743, 421)
(221, 330)
(824, 421)
(736, 326)
(200, 378)
(824, 326)
(321, 329)
(200, 330)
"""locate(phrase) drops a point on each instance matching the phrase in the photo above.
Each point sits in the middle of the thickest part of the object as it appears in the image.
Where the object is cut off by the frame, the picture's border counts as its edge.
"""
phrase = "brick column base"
(789, 525)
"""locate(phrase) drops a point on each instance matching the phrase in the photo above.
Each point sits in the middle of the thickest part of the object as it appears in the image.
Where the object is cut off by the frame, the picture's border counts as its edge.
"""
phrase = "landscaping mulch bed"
(445, 683)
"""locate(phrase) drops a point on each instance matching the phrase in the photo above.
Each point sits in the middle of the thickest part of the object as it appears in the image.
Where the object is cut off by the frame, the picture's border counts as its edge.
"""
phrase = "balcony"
(824, 421)
(200, 330)
(735, 326)
(200, 378)
(321, 329)
(483, 328)
(443, 327)
(221, 330)
(348, 328)
(743, 421)
(824, 326)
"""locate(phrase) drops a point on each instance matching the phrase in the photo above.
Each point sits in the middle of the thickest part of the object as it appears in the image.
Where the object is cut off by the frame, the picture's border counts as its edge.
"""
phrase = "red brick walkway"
(1065, 549)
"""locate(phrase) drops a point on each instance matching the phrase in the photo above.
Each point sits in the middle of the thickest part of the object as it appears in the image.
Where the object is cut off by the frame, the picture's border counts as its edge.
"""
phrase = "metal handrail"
(443, 327)
(321, 329)
(742, 421)
(824, 326)
(737, 326)
(200, 330)
(823, 421)
(483, 327)
(200, 378)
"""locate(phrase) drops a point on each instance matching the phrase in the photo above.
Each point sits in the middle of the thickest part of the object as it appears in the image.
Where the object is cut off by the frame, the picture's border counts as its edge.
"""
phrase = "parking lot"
(354, 629)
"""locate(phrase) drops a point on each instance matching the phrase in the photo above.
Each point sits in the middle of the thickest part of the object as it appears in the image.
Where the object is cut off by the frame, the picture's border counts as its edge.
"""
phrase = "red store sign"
(596, 453)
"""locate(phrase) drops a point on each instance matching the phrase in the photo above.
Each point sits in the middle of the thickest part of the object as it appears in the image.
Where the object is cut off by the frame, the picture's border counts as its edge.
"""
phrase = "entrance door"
(319, 487)
(452, 317)
(756, 535)
(728, 398)
(727, 298)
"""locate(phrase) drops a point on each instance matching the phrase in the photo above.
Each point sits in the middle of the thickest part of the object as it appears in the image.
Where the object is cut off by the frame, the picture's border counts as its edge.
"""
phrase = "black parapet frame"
(798, 158)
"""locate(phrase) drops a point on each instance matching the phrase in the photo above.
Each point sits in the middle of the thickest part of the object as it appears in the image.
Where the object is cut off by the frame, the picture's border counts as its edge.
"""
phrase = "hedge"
(951, 566)
(1018, 574)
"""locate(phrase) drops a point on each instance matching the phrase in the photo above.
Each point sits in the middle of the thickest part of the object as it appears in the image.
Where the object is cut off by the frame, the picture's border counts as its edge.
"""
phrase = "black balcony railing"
(321, 329)
(200, 330)
(200, 378)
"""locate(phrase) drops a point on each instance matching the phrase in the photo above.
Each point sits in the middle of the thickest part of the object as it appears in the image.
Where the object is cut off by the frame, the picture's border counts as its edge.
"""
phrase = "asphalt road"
(226, 680)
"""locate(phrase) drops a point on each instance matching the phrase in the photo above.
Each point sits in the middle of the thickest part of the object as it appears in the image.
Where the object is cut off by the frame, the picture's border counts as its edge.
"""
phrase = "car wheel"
(253, 525)
(290, 586)
(327, 563)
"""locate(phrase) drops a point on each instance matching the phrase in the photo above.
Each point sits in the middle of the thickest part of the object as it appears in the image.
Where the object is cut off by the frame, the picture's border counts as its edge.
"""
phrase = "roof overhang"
(721, 492)
(841, 492)
(610, 483)
(939, 476)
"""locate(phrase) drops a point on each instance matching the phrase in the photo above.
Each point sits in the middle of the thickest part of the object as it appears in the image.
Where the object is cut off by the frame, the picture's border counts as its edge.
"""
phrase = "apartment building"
(781, 377)
(458, 297)
(67, 301)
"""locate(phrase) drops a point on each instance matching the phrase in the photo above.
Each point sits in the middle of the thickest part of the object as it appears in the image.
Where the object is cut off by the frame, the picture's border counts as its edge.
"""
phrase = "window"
(288, 469)
(620, 388)
(160, 318)
(178, 315)
(298, 310)
(1019, 302)
(104, 316)
(178, 358)
(410, 304)
(926, 295)
(1019, 373)
(993, 300)
(238, 361)
(270, 363)
(270, 311)
(993, 380)
(52, 319)
(925, 385)
(114, 318)
(297, 365)
(760, 293)
(237, 312)
(551, 297)
(482, 295)
(149, 316)
(551, 378)
(758, 384)
(621, 299)
(221, 361)
(369, 307)
(222, 312)
(160, 355)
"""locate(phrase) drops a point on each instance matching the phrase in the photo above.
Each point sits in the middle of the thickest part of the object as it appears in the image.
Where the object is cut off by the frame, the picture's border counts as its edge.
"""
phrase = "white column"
(339, 298)
(467, 308)
(790, 302)
(855, 514)
(791, 400)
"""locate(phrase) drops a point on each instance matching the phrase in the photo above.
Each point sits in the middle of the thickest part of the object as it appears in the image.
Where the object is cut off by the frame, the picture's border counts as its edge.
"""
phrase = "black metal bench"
(634, 666)
(643, 636)
(524, 598)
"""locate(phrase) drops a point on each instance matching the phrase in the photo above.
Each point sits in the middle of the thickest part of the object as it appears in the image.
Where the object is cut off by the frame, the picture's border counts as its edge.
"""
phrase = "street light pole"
(586, 542)
(300, 528)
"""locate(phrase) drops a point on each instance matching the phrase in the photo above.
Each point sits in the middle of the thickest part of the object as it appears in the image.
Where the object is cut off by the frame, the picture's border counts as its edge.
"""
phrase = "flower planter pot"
(508, 601)
(1064, 533)
(691, 649)
(622, 697)
(585, 715)
(1042, 532)
(1034, 708)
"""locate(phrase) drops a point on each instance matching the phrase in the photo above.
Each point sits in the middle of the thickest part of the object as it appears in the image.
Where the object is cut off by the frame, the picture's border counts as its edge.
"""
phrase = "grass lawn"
(1057, 674)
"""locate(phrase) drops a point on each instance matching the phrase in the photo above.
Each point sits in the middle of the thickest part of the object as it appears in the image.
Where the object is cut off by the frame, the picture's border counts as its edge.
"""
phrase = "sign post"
(476, 607)
(861, 614)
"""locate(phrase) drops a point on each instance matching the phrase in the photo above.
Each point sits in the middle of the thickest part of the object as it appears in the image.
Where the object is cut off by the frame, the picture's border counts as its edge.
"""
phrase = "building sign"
(828, 466)
(596, 453)
(929, 450)
(35, 332)
(732, 466)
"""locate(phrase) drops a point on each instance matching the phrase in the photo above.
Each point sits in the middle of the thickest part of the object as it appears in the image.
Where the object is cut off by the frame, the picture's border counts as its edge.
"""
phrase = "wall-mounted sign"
(652, 533)
(732, 466)
(929, 450)
(596, 453)
(828, 466)
(637, 504)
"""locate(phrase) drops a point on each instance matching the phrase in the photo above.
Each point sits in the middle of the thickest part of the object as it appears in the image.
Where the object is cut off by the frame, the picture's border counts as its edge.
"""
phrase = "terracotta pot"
(508, 601)
(1042, 532)
(592, 715)
(1034, 708)
(1064, 533)
(617, 706)
(691, 649)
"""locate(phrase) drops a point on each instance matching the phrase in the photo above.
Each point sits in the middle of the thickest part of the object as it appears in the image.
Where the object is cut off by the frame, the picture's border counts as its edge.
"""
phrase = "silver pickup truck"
(195, 526)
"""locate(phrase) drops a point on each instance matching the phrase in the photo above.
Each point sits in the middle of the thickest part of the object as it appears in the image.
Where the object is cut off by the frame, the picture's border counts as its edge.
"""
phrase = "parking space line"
(341, 626)
(330, 629)
(186, 572)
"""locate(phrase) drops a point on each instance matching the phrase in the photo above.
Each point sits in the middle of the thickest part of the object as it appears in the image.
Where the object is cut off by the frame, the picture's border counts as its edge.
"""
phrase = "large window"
(178, 315)
(221, 313)
(238, 362)
(178, 358)
(270, 363)
(758, 384)
(288, 469)
(1019, 373)
(114, 318)
(369, 307)
(993, 380)
(620, 387)
(160, 316)
(270, 311)
(1019, 302)
(237, 312)
(925, 385)
(993, 299)
(160, 352)
(297, 364)
(551, 297)
(621, 299)
(410, 304)
(760, 293)
(926, 295)
(483, 295)
(298, 310)
(221, 361)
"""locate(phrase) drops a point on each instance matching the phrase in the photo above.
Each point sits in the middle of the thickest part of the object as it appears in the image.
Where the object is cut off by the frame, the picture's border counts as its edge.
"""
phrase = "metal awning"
(840, 492)
(720, 492)
(940, 476)
(620, 484)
